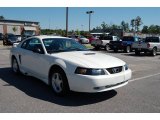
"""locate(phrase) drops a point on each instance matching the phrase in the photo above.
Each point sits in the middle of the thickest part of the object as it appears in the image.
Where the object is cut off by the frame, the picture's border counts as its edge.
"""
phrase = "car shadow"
(37, 89)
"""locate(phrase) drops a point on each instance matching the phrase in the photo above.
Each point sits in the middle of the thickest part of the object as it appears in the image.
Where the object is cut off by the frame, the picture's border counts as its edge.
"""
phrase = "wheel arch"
(59, 65)
(12, 57)
(155, 47)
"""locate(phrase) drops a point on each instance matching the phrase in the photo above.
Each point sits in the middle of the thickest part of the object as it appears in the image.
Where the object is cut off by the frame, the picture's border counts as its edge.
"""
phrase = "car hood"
(89, 59)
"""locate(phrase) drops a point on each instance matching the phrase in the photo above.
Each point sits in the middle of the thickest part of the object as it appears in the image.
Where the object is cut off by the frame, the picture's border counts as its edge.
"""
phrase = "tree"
(2, 18)
(125, 26)
(154, 29)
(77, 32)
(14, 29)
(138, 22)
(157, 29)
(145, 29)
(104, 26)
(98, 27)
(132, 24)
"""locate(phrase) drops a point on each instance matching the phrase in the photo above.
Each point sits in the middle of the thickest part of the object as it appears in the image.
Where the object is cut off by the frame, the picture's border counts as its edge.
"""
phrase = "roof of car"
(48, 36)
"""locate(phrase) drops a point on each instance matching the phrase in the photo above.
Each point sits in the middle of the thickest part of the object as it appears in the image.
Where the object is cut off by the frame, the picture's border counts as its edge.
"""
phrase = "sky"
(55, 17)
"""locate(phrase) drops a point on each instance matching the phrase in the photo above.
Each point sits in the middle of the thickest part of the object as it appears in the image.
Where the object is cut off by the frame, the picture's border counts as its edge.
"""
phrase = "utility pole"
(66, 21)
(89, 12)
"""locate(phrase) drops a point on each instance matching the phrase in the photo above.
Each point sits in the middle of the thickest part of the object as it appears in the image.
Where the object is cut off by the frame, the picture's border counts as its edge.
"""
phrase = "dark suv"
(9, 39)
(125, 44)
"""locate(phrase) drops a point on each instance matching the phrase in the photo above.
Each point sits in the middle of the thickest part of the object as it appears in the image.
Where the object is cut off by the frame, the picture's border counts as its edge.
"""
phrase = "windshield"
(62, 45)
(12, 37)
(152, 39)
(82, 37)
(106, 38)
(128, 39)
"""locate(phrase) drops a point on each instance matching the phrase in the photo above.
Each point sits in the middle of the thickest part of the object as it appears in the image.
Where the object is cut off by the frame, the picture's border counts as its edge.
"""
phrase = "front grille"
(115, 70)
(109, 86)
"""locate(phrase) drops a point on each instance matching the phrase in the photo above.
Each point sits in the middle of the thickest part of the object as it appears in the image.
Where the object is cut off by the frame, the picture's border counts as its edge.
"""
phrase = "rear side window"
(136, 39)
(152, 39)
(24, 44)
(31, 44)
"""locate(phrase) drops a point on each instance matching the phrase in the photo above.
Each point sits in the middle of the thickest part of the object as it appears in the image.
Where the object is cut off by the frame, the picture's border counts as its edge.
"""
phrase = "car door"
(35, 63)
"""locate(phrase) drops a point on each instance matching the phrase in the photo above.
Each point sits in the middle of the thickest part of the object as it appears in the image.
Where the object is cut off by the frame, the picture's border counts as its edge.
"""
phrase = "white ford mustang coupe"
(67, 65)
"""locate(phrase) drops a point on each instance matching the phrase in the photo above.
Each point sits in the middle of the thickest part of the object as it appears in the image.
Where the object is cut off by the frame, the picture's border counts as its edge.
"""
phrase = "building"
(19, 27)
(116, 32)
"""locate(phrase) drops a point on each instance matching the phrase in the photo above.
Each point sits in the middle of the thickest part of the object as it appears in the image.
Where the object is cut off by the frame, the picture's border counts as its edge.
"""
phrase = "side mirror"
(38, 49)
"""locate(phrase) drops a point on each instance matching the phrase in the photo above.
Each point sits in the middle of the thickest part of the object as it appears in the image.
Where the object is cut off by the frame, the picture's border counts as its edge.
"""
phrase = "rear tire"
(59, 82)
(97, 48)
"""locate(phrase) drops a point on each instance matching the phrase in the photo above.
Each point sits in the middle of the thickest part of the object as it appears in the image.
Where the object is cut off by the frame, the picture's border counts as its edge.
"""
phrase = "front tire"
(15, 66)
(115, 50)
(59, 82)
(128, 49)
(154, 52)
(107, 47)
(137, 52)
(97, 47)
(4, 43)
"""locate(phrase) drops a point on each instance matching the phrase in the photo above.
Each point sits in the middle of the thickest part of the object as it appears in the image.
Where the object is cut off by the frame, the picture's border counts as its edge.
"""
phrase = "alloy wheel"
(15, 66)
(57, 82)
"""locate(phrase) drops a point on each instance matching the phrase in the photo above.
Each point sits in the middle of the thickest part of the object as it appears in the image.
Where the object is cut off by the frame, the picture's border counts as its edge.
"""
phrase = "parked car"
(24, 36)
(151, 45)
(1, 36)
(79, 38)
(73, 37)
(10, 39)
(125, 44)
(91, 38)
(103, 42)
(67, 65)
(19, 37)
(83, 39)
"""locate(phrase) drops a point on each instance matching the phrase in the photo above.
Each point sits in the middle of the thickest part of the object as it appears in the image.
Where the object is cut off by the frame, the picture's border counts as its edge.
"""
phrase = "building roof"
(18, 21)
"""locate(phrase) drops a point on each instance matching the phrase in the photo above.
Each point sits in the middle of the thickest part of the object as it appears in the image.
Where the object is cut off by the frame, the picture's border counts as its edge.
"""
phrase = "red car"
(91, 38)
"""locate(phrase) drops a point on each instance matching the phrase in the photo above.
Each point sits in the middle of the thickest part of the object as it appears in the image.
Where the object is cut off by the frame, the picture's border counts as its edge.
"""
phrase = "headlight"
(89, 71)
(126, 67)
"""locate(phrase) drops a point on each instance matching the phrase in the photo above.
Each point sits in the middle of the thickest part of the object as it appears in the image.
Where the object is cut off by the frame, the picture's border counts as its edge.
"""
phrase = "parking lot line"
(140, 78)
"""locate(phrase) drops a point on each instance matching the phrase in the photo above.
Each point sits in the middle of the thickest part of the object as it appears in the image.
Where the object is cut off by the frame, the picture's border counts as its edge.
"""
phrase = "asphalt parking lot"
(27, 94)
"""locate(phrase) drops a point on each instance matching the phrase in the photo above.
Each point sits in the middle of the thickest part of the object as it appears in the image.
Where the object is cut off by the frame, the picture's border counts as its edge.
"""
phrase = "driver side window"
(33, 44)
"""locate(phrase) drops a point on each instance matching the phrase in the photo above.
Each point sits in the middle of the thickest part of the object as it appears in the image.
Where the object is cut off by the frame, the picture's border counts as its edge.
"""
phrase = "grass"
(88, 46)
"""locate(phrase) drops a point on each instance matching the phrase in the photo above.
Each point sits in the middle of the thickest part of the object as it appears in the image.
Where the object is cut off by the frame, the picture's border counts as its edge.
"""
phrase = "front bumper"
(143, 49)
(92, 84)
